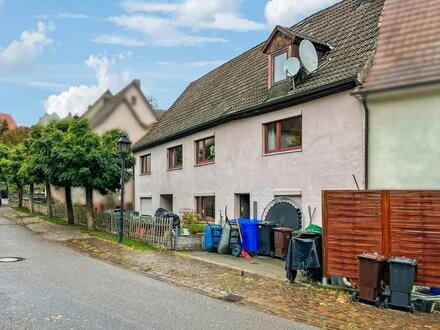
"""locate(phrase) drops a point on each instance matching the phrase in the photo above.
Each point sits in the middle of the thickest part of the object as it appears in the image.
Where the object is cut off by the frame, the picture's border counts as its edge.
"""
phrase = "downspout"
(367, 128)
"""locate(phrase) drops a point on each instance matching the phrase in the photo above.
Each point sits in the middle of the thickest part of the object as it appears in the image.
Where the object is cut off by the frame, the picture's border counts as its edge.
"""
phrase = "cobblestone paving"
(311, 304)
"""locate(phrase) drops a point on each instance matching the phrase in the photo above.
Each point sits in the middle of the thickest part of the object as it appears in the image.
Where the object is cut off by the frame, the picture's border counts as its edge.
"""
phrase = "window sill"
(204, 163)
(175, 169)
(282, 152)
(147, 173)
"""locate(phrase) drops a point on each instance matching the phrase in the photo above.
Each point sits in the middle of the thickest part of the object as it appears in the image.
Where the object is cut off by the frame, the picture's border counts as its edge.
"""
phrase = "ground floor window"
(205, 205)
(146, 208)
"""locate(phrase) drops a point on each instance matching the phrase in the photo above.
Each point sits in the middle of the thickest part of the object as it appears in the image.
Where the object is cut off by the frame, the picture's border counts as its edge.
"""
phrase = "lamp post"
(124, 144)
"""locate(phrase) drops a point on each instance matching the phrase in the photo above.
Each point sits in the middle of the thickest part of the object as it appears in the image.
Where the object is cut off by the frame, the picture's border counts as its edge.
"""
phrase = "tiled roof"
(11, 122)
(350, 27)
(408, 49)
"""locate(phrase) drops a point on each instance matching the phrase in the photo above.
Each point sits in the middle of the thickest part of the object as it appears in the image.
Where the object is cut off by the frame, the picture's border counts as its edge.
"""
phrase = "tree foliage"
(15, 136)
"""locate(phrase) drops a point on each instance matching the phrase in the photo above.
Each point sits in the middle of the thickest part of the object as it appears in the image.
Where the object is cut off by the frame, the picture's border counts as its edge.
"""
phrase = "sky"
(60, 56)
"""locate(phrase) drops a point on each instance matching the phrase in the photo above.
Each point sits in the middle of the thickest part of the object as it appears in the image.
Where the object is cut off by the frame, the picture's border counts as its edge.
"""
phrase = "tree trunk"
(69, 206)
(31, 197)
(20, 196)
(49, 200)
(89, 207)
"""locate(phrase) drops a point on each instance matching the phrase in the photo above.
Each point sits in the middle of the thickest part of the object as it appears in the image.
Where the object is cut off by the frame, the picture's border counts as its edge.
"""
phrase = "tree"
(4, 127)
(14, 169)
(15, 136)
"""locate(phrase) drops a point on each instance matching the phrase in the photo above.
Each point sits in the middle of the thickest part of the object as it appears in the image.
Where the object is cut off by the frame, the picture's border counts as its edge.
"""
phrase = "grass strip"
(127, 241)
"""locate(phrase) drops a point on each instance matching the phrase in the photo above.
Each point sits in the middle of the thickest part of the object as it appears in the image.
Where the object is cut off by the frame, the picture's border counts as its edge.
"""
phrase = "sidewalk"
(310, 304)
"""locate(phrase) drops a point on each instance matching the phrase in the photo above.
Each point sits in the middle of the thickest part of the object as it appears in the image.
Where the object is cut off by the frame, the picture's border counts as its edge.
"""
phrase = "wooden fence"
(392, 223)
(156, 231)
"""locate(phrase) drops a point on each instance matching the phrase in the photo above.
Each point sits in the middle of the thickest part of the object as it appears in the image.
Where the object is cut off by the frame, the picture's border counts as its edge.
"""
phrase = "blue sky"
(59, 56)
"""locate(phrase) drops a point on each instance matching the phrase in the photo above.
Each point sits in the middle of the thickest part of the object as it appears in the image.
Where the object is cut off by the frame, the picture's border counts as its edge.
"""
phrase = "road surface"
(57, 288)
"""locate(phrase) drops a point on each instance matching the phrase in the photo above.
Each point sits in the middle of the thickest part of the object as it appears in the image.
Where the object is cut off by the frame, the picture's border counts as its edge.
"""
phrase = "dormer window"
(277, 66)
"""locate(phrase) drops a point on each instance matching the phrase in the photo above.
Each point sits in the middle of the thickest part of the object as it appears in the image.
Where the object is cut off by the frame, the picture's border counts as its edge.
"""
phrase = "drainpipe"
(367, 128)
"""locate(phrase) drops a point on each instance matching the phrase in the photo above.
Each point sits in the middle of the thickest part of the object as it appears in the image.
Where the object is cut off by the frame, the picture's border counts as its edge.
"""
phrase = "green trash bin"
(402, 274)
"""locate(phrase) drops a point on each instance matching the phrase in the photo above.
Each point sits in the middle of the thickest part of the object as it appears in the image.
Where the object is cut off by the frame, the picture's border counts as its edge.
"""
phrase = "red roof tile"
(408, 49)
(11, 122)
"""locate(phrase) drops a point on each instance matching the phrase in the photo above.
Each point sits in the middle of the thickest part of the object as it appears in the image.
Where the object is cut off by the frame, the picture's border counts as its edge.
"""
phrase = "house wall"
(332, 152)
(121, 118)
(404, 135)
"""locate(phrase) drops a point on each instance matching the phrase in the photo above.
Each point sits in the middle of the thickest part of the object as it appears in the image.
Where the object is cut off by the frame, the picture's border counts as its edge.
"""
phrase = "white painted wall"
(404, 139)
(332, 152)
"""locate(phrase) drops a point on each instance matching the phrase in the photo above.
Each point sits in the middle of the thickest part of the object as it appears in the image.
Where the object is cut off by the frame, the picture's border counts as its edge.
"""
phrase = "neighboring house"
(240, 135)
(128, 110)
(9, 120)
(402, 98)
(47, 118)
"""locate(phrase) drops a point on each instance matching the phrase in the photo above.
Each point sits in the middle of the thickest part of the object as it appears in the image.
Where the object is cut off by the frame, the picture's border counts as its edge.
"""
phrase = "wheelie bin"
(402, 274)
(249, 233)
(371, 273)
(282, 236)
(265, 238)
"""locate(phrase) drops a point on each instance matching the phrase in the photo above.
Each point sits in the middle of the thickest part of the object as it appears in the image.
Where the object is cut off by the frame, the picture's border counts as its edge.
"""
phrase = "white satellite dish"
(308, 56)
(291, 66)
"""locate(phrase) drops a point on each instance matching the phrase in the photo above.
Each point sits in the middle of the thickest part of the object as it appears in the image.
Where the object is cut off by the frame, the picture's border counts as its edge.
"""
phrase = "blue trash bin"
(249, 232)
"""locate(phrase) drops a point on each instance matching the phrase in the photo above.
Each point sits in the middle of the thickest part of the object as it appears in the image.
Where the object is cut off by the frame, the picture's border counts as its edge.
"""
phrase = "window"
(133, 100)
(175, 157)
(278, 67)
(205, 150)
(146, 208)
(205, 205)
(283, 135)
(146, 164)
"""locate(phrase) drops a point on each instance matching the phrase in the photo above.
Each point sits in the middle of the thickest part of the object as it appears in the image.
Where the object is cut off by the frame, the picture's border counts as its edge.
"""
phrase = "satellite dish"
(291, 66)
(308, 56)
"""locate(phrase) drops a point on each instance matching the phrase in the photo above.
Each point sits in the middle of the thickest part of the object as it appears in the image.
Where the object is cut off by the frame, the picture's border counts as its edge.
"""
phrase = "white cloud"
(288, 12)
(167, 23)
(73, 15)
(114, 39)
(2, 2)
(77, 98)
(135, 6)
(160, 31)
(19, 55)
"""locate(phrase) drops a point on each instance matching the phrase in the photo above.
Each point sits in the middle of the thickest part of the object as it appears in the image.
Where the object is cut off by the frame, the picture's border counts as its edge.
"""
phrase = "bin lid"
(372, 256)
(403, 260)
(284, 229)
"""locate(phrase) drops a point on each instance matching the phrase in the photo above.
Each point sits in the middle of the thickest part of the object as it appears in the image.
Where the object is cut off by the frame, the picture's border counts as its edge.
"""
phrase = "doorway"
(166, 202)
(243, 205)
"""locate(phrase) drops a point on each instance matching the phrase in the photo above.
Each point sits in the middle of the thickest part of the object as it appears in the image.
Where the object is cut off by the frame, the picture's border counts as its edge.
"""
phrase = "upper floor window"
(175, 157)
(146, 164)
(278, 67)
(205, 150)
(133, 100)
(283, 135)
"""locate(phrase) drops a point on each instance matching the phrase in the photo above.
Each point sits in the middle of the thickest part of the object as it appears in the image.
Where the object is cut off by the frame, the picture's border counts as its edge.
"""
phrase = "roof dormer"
(281, 45)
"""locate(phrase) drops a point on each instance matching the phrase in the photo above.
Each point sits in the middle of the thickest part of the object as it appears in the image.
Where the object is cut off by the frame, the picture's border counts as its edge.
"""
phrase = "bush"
(195, 228)
(189, 218)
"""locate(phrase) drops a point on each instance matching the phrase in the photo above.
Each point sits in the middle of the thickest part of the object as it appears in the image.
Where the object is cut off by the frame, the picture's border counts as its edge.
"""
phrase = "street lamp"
(124, 144)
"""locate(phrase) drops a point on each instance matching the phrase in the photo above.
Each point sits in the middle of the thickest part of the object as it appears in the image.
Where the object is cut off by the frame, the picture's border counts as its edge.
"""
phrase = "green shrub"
(189, 218)
(195, 228)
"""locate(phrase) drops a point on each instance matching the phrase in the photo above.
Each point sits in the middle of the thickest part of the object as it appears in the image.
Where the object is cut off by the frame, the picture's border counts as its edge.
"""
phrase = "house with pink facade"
(250, 130)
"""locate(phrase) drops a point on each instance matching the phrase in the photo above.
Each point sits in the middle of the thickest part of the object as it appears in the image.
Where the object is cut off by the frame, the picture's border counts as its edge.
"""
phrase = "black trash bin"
(265, 237)
(402, 274)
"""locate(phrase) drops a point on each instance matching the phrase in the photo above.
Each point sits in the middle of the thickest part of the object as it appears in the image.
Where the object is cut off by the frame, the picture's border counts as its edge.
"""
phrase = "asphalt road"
(57, 288)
